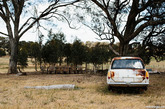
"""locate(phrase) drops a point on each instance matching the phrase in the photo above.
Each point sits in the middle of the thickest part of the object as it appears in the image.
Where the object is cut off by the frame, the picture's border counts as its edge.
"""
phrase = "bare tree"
(123, 19)
(10, 13)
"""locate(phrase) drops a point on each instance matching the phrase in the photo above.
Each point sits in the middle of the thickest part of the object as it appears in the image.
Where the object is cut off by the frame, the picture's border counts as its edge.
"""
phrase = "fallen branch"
(63, 86)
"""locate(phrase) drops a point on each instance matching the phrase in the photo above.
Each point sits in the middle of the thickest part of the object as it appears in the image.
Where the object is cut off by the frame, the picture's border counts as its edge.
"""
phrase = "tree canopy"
(123, 20)
(12, 12)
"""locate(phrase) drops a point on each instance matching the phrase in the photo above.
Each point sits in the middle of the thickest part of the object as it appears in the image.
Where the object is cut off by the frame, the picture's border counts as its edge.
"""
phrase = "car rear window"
(127, 64)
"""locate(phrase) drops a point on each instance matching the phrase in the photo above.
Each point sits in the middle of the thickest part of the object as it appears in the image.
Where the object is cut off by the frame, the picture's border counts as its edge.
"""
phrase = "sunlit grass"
(91, 92)
(159, 66)
(4, 62)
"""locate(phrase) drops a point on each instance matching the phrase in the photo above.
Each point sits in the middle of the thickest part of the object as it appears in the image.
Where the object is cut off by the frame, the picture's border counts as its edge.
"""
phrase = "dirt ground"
(91, 92)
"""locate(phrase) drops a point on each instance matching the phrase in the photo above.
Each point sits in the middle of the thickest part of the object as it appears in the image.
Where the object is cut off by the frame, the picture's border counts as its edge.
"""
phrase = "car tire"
(145, 88)
(109, 87)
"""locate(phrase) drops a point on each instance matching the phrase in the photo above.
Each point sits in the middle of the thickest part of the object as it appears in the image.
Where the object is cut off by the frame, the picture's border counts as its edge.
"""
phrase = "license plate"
(128, 79)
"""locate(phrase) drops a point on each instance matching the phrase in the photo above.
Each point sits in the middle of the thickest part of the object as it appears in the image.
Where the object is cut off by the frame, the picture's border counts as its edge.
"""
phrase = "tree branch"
(142, 27)
(4, 34)
(2, 13)
(26, 23)
(69, 23)
(7, 19)
(114, 51)
(46, 12)
(116, 32)
(145, 6)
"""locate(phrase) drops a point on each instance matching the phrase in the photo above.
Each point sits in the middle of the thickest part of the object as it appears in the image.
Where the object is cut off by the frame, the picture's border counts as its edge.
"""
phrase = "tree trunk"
(60, 61)
(35, 62)
(123, 49)
(86, 67)
(94, 68)
(76, 69)
(13, 56)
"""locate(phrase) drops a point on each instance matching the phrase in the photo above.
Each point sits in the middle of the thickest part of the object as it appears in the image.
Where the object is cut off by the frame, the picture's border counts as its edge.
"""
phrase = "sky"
(83, 33)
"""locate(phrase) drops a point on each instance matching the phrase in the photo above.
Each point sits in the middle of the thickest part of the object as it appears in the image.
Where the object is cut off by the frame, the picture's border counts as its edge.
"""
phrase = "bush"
(2, 52)
(22, 58)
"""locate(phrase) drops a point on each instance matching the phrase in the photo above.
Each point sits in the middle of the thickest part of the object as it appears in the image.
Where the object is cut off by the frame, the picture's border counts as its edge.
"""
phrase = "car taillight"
(143, 72)
(112, 74)
(109, 75)
(147, 75)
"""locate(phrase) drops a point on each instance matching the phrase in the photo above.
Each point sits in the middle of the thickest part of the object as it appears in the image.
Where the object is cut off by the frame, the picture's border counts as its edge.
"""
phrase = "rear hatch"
(128, 75)
(127, 70)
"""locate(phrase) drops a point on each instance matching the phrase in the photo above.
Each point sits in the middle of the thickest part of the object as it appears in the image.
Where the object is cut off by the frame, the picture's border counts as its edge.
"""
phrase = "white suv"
(127, 72)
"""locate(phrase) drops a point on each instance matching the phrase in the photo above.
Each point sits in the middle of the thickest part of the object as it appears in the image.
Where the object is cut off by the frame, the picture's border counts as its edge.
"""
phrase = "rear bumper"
(144, 83)
(128, 84)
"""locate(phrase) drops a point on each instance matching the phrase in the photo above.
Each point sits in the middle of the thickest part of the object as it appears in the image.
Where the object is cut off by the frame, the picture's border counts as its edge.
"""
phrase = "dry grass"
(4, 64)
(91, 93)
(4, 61)
(159, 66)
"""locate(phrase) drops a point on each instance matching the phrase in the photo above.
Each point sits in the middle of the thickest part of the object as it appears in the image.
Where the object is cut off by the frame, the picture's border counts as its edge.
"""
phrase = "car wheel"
(145, 88)
(109, 87)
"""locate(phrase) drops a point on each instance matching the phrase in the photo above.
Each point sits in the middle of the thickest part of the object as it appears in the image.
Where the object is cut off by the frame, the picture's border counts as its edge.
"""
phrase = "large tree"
(123, 20)
(11, 13)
